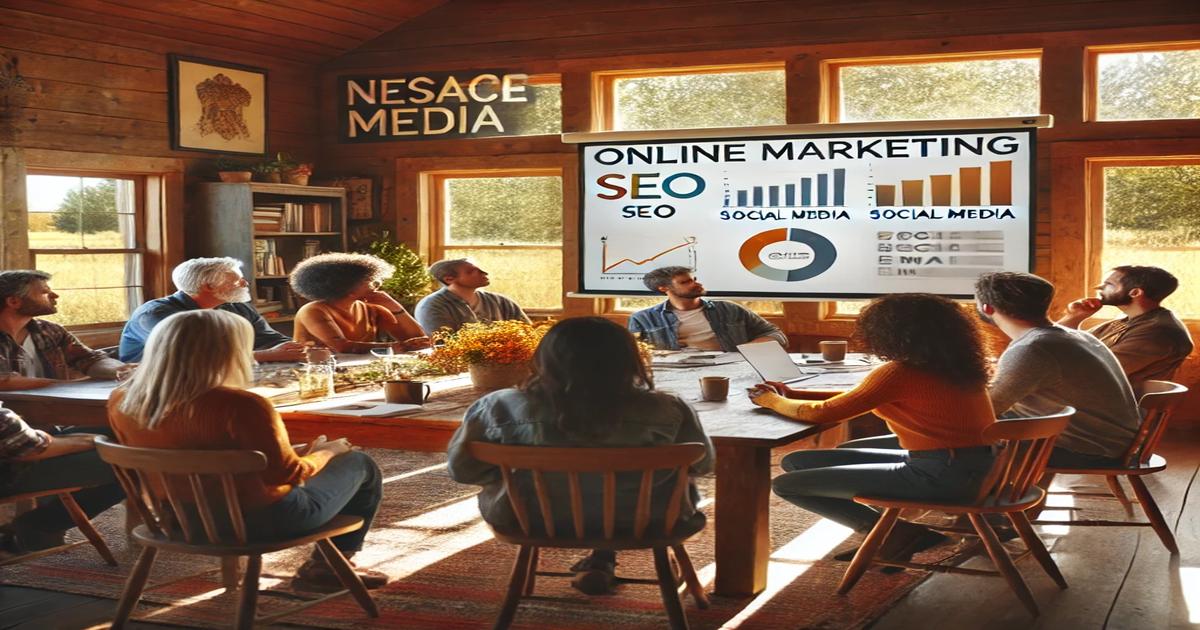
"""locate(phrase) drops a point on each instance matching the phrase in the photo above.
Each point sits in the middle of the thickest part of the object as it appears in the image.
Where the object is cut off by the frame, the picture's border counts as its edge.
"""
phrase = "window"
(86, 230)
(1152, 217)
(510, 224)
(680, 99)
(728, 97)
(1146, 84)
(544, 116)
(918, 89)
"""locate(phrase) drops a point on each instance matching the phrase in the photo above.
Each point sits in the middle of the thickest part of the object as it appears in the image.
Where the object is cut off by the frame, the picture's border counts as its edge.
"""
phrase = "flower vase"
(300, 179)
(492, 376)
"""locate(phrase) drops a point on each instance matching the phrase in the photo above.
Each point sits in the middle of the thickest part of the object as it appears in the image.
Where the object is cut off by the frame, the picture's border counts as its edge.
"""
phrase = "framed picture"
(360, 196)
(216, 106)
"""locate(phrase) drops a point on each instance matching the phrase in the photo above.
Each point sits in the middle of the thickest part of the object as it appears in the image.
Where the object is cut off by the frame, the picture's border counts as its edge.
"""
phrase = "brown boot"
(316, 576)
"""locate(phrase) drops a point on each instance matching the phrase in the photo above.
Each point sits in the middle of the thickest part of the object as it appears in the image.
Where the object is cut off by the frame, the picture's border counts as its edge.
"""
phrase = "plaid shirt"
(62, 355)
(18, 439)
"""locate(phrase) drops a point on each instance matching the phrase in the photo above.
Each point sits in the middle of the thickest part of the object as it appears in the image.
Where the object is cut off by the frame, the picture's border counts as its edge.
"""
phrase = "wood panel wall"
(584, 37)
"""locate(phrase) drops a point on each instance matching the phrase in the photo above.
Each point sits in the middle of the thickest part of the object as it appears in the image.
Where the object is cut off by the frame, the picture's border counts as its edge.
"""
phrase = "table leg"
(743, 537)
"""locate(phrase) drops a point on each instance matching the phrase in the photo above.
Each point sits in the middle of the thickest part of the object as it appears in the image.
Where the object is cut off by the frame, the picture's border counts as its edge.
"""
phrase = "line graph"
(682, 254)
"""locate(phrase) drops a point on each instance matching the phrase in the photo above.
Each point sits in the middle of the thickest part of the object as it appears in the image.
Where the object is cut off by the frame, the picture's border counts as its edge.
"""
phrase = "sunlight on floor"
(1190, 580)
(426, 539)
(1051, 514)
(788, 563)
(414, 473)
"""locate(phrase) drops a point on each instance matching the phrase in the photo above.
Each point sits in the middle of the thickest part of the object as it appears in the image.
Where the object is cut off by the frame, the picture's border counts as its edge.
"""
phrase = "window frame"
(435, 186)
(1091, 75)
(831, 79)
(141, 186)
(604, 82)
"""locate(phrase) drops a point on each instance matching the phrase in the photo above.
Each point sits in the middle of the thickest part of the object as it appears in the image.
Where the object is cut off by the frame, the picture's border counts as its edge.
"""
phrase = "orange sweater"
(227, 419)
(924, 411)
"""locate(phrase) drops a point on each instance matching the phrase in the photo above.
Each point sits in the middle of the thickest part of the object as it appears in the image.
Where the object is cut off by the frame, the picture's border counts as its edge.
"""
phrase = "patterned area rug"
(448, 572)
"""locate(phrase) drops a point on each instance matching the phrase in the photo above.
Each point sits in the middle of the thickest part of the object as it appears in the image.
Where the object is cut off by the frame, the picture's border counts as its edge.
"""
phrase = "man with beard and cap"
(35, 352)
(1150, 341)
(208, 283)
(687, 320)
(1047, 367)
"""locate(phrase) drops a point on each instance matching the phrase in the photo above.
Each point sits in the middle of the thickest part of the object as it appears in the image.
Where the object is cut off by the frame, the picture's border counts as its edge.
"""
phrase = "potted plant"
(266, 172)
(411, 280)
(292, 172)
(231, 171)
(497, 354)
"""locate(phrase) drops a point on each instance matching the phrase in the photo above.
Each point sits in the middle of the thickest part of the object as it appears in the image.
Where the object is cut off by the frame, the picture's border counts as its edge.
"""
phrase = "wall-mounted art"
(217, 106)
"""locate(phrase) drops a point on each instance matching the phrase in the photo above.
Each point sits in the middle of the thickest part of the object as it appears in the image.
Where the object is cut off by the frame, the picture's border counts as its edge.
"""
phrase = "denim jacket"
(733, 324)
(509, 417)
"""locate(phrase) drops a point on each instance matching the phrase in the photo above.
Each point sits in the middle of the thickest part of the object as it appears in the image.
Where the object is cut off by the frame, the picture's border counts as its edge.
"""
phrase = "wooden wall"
(579, 38)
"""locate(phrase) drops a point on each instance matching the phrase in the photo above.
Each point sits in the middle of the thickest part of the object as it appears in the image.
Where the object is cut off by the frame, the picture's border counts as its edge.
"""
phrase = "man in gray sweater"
(1048, 366)
(461, 300)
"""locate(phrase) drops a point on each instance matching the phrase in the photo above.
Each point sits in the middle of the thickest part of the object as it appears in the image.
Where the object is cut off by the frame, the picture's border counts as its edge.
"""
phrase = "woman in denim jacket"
(590, 388)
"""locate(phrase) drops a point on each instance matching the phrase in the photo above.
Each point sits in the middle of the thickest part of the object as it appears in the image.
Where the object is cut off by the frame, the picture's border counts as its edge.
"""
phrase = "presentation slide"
(819, 216)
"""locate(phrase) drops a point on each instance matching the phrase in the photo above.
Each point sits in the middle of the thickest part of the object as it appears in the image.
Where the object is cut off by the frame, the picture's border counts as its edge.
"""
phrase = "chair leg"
(133, 586)
(1114, 486)
(866, 553)
(515, 584)
(346, 575)
(1004, 563)
(670, 594)
(531, 575)
(695, 588)
(248, 600)
(85, 527)
(1034, 543)
(231, 571)
(1150, 507)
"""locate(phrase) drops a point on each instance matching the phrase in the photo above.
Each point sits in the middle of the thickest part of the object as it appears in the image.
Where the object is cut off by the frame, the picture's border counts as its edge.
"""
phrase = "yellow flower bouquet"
(478, 347)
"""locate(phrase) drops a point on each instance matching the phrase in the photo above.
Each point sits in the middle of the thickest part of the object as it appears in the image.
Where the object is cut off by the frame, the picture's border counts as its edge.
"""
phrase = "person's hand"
(780, 388)
(757, 392)
(125, 371)
(415, 343)
(286, 351)
(1084, 308)
(336, 447)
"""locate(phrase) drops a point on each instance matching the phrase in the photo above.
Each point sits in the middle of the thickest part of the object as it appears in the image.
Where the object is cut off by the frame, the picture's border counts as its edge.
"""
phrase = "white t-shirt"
(32, 366)
(695, 331)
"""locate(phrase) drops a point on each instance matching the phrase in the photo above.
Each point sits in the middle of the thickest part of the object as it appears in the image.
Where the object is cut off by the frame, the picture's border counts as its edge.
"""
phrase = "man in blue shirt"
(687, 320)
(208, 283)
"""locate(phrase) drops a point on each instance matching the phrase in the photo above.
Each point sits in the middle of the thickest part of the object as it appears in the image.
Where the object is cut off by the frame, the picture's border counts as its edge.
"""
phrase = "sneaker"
(315, 575)
(595, 576)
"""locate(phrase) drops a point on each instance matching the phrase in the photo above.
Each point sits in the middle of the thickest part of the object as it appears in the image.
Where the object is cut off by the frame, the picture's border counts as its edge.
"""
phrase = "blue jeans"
(350, 484)
(825, 482)
(100, 488)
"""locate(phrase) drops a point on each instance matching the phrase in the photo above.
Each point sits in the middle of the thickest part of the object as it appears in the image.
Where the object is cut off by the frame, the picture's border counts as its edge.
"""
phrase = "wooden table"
(742, 434)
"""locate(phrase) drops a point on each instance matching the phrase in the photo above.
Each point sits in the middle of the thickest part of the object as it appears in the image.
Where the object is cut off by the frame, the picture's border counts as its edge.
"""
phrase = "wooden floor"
(1119, 577)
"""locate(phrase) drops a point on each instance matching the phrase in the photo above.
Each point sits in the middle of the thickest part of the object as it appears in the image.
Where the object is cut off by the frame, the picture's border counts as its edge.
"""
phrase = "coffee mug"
(406, 392)
(714, 388)
(833, 350)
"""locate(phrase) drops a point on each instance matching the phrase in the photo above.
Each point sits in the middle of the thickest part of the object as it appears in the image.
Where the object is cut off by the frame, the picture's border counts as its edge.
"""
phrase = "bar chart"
(812, 190)
(938, 189)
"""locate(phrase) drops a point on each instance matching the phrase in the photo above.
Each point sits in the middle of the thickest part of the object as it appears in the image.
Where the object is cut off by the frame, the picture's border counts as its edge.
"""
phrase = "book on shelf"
(267, 262)
(312, 248)
(265, 307)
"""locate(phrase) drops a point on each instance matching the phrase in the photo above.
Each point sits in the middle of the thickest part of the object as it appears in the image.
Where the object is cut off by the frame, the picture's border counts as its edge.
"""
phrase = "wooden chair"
(1158, 401)
(77, 516)
(595, 465)
(193, 482)
(1009, 489)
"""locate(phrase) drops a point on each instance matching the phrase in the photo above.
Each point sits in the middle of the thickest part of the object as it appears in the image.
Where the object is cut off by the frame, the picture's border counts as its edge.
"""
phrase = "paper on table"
(681, 359)
(364, 409)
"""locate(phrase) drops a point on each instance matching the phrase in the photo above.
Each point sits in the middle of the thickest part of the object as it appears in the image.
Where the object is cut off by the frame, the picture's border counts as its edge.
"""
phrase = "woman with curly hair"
(932, 393)
(348, 310)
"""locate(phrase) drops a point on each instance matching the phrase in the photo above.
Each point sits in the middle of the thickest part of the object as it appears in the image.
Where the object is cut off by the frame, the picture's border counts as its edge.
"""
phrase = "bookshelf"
(270, 228)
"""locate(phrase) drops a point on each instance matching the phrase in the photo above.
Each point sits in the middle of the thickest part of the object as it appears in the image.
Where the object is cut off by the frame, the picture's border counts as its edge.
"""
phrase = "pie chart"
(795, 254)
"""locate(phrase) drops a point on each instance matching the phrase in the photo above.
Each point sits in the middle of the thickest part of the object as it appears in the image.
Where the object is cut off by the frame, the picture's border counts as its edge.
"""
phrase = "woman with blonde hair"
(187, 394)
(348, 310)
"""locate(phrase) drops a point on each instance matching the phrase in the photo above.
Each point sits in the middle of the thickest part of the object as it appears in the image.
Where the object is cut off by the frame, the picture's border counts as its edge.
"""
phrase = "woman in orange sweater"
(932, 393)
(187, 394)
(348, 310)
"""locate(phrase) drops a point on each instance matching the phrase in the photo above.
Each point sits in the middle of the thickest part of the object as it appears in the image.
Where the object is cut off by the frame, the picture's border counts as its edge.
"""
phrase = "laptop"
(772, 362)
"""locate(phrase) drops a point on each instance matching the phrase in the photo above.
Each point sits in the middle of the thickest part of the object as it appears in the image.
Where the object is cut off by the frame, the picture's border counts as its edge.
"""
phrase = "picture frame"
(217, 106)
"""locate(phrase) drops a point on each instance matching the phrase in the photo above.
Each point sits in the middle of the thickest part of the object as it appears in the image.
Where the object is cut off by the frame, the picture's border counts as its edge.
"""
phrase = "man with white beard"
(35, 352)
(208, 283)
